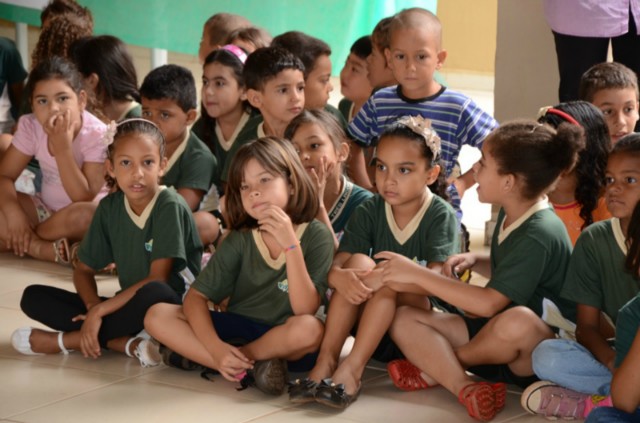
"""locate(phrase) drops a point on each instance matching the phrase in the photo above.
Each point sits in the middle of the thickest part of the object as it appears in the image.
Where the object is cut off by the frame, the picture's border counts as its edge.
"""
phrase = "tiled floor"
(115, 388)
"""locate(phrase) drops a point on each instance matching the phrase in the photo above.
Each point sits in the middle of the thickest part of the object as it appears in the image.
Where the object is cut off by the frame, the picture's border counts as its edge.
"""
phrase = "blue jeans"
(572, 366)
(612, 415)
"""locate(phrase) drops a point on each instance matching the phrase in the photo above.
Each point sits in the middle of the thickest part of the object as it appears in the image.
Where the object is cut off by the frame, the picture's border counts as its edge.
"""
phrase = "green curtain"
(177, 25)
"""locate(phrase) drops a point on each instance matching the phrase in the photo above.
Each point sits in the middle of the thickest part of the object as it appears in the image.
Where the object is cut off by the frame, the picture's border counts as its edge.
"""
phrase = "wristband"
(290, 247)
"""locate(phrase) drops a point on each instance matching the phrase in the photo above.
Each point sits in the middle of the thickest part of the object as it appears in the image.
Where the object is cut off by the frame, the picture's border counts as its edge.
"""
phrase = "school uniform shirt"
(351, 197)
(338, 115)
(430, 236)
(597, 276)
(257, 286)
(627, 328)
(165, 229)
(346, 109)
(529, 259)
(191, 166)
(134, 111)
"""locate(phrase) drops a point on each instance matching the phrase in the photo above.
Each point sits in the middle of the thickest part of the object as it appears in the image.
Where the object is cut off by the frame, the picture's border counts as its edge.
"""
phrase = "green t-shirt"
(531, 261)
(345, 106)
(134, 112)
(338, 115)
(596, 276)
(224, 152)
(351, 197)
(627, 328)
(431, 236)
(165, 229)
(191, 166)
(257, 285)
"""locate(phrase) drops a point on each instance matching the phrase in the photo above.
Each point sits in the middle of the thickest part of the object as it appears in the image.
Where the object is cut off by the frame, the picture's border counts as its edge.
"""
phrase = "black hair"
(266, 63)
(230, 60)
(535, 152)
(592, 160)
(54, 68)
(606, 75)
(134, 126)
(171, 82)
(108, 58)
(362, 47)
(304, 46)
(400, 130)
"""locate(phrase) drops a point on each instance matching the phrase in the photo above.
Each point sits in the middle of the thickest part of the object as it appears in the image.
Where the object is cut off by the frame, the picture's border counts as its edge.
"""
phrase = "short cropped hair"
(362, 47)
(381, 36)
(257, 36)
(604, 76)
(304, 46)
(172, 82)
(218, 27)
(279, 158)
(266, 63)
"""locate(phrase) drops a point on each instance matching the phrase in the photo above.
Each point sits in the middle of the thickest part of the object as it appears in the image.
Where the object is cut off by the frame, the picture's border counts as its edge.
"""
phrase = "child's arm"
(457, 264)
(303, 295)
(625, 386)
(347, 281)
(464, 182)
(357, 169)
(398, 270)
(588, 334)
(19, 231)
(229, 360)
(80, 184)
(192, 196)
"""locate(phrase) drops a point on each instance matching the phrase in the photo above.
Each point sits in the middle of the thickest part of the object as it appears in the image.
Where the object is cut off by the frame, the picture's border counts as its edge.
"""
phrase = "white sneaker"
(148, 352)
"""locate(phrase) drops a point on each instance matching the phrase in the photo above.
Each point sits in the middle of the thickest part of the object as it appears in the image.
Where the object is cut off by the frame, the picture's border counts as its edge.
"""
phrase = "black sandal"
(302, 391)
(332, 395)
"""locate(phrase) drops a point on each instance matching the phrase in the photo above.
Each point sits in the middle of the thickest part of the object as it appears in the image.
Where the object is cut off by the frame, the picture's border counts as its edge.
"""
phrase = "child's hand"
(231, 362)
(398, 268)
(348, 283)
(371, 278)
(89, 345)
(19, 234)
(277, 223)
(319, 177)
(457, 264)
(59, 129)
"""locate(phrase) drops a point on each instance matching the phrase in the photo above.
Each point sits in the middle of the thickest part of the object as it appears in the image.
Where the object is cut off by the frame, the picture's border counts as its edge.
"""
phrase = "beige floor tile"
(141, 401)
(26, 385)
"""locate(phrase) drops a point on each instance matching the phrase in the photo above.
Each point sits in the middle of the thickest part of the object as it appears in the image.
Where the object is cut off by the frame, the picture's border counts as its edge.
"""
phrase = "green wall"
(177, 25)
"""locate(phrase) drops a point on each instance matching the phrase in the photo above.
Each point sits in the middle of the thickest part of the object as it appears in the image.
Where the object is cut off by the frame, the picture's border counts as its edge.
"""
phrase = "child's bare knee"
(307, 331)
(511, 324)
(359, 261)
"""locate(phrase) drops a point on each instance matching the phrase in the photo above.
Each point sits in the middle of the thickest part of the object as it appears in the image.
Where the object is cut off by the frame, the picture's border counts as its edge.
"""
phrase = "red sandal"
(480, 401)
(406, 376)
(500, 391)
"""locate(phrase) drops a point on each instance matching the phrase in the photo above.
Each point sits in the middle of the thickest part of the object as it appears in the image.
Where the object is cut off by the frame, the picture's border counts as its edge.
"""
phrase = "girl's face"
(318, 84)
(354, 83)
(485, 172)
(402, 172)
(53, 97)
(221, 94)
(136, 166)
(260, 188)
(622, 185)
(312, 143)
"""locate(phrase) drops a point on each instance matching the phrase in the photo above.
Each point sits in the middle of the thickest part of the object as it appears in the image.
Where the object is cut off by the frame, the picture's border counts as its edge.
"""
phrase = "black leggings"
(55, 307)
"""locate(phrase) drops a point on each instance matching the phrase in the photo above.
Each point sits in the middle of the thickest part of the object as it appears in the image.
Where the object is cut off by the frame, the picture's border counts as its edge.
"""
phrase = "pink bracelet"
(291, 247)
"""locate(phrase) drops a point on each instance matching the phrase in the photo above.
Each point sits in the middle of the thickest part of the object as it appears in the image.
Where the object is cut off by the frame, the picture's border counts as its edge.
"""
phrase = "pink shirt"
(30, 139)
(591, 18)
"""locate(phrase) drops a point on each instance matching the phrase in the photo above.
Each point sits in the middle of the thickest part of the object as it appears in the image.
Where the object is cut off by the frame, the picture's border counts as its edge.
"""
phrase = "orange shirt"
(570, 216)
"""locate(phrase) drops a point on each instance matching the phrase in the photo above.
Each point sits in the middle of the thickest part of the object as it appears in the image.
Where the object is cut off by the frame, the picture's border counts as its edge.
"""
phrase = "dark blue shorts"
(238, 330)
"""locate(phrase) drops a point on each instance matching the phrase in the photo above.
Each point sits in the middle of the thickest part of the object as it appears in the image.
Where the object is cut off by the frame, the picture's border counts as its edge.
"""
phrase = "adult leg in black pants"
(626, 50)
(57, 308)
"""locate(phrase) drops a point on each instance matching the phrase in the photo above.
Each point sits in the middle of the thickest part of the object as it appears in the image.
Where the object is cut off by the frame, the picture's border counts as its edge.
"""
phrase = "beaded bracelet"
(291, 247)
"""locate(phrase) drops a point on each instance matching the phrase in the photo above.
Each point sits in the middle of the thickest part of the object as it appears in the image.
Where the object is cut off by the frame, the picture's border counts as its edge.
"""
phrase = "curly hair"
(592, 160)
(56, 38)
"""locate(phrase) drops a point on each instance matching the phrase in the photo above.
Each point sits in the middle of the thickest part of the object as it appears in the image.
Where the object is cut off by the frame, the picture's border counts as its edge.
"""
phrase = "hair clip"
(107, 137)
(422, 127)
(552, 110)
(237, 51)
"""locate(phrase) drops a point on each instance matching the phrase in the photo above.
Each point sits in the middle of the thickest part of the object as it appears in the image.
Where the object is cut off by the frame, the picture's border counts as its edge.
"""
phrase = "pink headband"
(237, 51)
